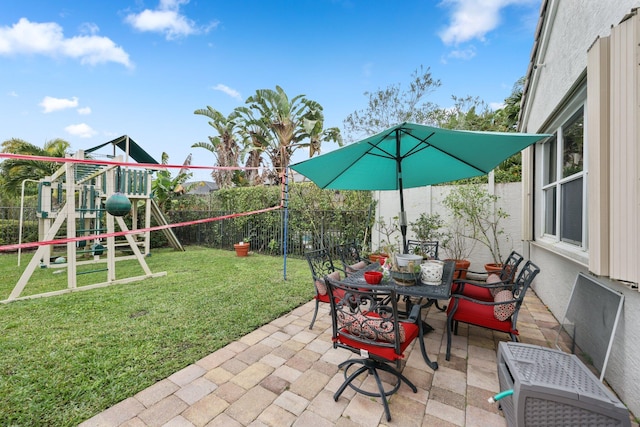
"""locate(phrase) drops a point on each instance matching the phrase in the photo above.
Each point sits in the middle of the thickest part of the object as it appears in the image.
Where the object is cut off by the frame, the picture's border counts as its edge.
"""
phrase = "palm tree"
(14, 171)
(254, 136)
(165, 187)
(223, 146)
(285, 120)
(313, 125)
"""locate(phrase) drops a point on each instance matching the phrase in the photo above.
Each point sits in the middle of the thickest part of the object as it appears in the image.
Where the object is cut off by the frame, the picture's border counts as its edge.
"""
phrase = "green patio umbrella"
(411, 155)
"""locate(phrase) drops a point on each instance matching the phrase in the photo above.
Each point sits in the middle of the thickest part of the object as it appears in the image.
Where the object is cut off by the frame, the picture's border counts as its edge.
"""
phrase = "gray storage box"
(552, 388)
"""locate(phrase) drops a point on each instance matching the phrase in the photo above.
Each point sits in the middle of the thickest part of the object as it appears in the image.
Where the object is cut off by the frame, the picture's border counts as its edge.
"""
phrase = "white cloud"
(229, 91)
(473, 19)
(13, 94)
(167, 19)
(84, 111)
(50, 104)
(82, 130)
(496, 105)
(464, 54)
(47, 38)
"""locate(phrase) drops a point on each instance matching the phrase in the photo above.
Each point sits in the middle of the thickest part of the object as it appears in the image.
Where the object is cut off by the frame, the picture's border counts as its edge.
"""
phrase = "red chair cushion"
(411, 331)
(338, 293)
(479, 315)
(477, 292)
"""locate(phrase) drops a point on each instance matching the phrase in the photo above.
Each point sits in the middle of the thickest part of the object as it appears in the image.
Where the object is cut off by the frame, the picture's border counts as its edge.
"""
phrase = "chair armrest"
(477, 301)
(414, 315)
(495, 285)
(471, 271)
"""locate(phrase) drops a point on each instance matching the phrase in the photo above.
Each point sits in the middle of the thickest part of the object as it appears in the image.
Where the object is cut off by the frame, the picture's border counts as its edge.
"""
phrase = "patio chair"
(499, 314)
(350, 258)
(321, 265)
(365, 320)
(486, 290)
(428, 250)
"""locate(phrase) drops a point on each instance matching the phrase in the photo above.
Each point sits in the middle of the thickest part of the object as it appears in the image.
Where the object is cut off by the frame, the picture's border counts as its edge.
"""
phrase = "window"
(563, 182)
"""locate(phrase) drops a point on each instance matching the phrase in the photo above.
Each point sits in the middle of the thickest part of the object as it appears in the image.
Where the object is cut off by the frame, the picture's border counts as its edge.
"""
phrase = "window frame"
(555, 236)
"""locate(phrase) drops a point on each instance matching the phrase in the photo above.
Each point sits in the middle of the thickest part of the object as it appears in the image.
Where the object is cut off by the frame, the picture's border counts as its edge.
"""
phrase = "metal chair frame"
(518, 291)
(366, 321)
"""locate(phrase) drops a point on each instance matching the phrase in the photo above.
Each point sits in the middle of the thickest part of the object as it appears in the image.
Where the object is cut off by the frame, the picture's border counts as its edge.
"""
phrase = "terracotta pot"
(377, 257)
(242, 249)
(493, 268)
(461, 264)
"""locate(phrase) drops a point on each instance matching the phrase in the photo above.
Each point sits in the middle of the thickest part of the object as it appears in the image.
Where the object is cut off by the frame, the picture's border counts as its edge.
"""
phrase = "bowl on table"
(373, 277)
(403, 260)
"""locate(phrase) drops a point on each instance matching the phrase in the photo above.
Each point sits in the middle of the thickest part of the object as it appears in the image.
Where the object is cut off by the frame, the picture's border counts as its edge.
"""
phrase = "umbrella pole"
(403, 214)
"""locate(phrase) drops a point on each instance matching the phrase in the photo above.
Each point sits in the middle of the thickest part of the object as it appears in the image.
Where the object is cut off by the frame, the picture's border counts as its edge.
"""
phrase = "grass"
(66, 358)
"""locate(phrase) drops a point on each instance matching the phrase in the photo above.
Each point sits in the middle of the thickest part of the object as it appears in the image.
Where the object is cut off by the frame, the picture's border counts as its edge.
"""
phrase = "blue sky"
(88, 72)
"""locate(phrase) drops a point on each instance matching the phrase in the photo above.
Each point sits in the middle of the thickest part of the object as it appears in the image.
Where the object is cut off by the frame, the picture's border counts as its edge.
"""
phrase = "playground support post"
(22, 215)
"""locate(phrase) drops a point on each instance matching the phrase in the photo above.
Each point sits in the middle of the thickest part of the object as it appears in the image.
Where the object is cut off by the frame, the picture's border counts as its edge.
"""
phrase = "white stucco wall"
(575, 26)
(429, 200)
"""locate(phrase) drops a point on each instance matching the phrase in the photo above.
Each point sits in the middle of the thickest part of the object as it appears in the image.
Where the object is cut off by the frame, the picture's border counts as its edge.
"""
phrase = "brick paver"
(284, 374)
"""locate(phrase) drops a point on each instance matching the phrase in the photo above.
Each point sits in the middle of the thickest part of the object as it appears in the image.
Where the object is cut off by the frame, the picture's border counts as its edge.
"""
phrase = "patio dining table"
(426, 294)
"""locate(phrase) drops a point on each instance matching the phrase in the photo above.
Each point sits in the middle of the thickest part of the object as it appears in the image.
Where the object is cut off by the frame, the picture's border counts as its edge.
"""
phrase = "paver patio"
(284, 374)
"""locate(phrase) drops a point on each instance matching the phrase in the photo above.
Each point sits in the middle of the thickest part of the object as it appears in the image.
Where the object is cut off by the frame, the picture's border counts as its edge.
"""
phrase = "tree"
(255, 141)
(285, 120)
(393, 105)
(223, 146)
(14, 171)
(468, 113)
(471, 113)
(165, 188)
(313, 124)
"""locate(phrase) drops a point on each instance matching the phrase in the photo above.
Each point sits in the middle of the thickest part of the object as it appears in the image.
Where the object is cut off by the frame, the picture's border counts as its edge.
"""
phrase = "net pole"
(285, 202)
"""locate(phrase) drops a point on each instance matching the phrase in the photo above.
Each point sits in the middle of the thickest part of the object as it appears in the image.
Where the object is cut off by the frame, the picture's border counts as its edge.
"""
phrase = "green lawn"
(66, 358)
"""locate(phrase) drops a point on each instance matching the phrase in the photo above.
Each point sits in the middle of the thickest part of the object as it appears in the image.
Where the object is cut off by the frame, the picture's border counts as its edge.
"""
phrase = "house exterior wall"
(568, 33)
(571, 27)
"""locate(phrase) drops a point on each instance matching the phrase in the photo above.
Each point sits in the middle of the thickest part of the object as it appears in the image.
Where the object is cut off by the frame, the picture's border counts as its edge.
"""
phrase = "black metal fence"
(265, 231)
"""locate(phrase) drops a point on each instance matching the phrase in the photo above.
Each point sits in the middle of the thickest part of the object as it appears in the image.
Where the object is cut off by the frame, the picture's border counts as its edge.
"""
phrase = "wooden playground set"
(81, 210)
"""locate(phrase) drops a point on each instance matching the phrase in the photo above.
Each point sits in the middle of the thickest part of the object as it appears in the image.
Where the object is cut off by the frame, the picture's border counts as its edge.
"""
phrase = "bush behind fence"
(265, 231)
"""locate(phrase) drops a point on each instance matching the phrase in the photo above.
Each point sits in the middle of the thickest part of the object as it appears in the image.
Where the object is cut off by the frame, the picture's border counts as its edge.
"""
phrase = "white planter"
(402, 260)
(431, 272)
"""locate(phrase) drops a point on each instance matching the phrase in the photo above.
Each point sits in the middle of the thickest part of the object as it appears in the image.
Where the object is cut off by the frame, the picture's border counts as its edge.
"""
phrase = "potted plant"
(389, 241)
(242, 248)
(458, 247)
(482, 219)
(427, 228)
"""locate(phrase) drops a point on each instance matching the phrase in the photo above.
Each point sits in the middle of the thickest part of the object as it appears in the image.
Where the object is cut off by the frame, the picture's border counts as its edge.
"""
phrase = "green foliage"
(316, 217)
(267, 130)
(478, 212)
(14, 171)
(166, 188)
(66, 358)
(428, 227)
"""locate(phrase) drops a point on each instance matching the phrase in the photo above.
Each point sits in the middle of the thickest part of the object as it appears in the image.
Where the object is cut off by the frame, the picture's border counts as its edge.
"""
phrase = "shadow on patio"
(284, 374)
